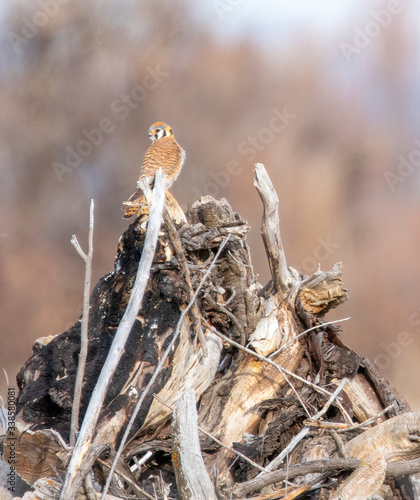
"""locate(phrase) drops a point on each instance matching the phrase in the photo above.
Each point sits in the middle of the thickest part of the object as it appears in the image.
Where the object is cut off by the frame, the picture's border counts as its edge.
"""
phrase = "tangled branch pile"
(259, 395)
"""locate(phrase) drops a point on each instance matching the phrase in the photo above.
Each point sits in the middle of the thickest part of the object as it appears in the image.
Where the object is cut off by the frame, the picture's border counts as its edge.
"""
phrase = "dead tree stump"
(277, 385)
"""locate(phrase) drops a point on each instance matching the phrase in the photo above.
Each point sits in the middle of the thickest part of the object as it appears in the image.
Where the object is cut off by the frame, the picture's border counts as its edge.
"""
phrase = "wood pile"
(258, 397)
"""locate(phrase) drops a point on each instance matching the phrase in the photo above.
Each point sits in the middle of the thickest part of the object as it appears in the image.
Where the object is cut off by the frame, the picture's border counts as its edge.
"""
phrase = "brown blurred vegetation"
(351, 122)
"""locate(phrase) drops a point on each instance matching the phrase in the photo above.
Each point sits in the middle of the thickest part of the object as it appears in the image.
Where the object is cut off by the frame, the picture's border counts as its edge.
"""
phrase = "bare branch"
(73, 478)
(365, 481)
(268, 360)
(303, 333)
(74, 426)
(320, 466)
(270, 230)
(367, 422)
(191, 474)
(75, 242)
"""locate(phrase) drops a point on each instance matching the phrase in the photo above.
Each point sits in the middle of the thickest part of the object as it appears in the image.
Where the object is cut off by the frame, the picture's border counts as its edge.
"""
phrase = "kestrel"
(164, 153)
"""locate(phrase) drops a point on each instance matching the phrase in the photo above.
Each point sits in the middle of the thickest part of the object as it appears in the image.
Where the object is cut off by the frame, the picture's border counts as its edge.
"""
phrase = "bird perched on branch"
(164, 153)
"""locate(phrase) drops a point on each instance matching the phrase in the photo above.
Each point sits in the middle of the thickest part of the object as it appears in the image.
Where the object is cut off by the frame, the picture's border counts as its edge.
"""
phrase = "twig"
(238, 453)
(333, 397)
(338, 442)
(73, 478)
(230, 315)
(138, 463)
(318, 466)
(267, 360)
(270, 231)
(74, 241)
(159, 367)
(84, 341)
(7, 377)
(306, 331)
(366, 422)
(321, 424)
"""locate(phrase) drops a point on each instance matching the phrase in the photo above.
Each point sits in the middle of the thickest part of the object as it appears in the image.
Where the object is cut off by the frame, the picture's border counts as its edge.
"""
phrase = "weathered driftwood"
(282, 396)
(365, 480)
(191, 474)
(270, 231)
(393, 470)
(394, 436)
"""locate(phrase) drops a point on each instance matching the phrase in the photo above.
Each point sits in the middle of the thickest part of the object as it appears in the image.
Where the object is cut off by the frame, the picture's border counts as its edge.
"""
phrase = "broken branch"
(270, 230)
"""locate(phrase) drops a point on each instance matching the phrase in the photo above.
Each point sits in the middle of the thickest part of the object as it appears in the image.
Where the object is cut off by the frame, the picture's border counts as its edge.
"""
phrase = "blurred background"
(325, 94)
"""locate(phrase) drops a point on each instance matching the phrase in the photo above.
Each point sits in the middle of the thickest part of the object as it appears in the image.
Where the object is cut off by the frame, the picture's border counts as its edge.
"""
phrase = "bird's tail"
(134, 204)
(130, 211)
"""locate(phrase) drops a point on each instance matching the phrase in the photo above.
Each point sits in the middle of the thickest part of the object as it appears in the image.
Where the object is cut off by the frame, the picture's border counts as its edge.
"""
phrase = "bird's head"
(159, 130)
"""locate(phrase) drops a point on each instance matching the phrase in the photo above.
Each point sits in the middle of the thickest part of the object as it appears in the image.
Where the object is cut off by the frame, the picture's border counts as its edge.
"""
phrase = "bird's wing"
(164, 153)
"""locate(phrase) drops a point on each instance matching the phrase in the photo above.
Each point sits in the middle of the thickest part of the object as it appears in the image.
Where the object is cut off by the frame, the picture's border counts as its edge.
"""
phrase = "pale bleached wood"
(392, 435)
(365, 480)
(191, 475)
(73, 478)
(250, 383)
(364, 399)
(323, 290)
(74, 426)
(270, 231)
